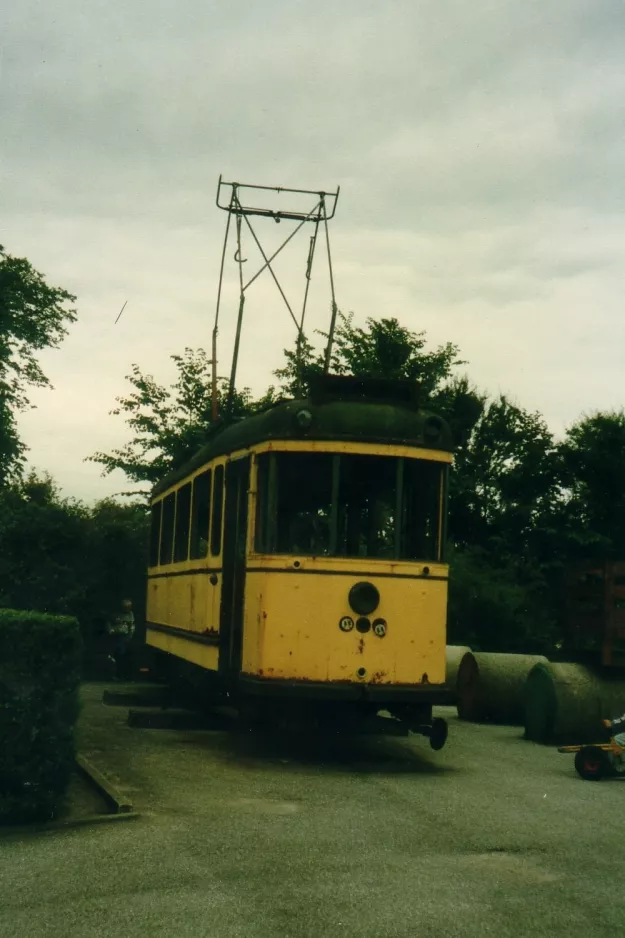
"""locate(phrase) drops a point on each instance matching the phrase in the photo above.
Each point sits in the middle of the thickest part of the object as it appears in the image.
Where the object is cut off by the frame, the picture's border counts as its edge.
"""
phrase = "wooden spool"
(453, 656)
(491, 686)
(565, 703)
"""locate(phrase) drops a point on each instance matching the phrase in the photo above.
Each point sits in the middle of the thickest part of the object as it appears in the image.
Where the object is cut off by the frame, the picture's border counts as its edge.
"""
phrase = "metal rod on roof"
(300, 334)
(237, 339)
(271, 271)
(326, 364)
(284, 244)
(272, 213)
(214, 408)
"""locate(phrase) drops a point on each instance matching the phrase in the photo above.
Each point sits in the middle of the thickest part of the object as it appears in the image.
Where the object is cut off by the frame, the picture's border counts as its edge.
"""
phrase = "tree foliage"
(593, 473)
(498, 604)
(504, 477)
(60, 556)
(170, 424)
(33, 316)
(383, 349)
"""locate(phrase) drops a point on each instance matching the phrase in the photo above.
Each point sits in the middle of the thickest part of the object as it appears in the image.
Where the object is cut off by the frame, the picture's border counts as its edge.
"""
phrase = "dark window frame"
(431, 510)
(198, 533)
(156, 512)
(168, 521)
(217, 510)
(182, 526)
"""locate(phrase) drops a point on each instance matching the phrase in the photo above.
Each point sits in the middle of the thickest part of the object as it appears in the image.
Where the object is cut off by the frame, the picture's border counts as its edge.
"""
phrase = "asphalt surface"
(366, 838)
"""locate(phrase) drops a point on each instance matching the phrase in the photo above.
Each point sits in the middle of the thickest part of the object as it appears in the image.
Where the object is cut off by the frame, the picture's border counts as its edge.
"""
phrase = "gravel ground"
(366, 838)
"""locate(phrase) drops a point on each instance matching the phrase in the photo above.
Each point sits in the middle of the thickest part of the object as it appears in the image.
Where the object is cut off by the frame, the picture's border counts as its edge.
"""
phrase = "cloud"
(479, 148)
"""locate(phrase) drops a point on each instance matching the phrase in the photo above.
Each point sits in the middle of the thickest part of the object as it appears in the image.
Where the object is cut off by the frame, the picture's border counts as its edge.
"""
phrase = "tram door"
(233, 581)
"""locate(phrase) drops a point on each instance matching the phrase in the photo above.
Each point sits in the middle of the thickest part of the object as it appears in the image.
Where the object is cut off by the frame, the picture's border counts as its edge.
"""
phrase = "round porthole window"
(364, 598)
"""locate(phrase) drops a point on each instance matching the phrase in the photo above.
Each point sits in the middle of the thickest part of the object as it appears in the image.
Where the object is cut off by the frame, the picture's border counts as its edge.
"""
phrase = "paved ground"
(363, 838)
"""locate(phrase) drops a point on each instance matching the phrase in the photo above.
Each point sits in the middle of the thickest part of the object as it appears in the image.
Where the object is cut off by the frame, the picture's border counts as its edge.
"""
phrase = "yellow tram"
(297, 561)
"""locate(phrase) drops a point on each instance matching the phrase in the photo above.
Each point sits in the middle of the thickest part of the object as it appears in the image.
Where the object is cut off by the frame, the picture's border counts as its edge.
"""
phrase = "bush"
(39, 679)
(500, 607)
(66, 558)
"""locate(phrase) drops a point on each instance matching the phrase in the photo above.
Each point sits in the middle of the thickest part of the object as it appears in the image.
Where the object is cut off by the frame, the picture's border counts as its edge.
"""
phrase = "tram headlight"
(364, 598)
(433, 428)
(304, 419)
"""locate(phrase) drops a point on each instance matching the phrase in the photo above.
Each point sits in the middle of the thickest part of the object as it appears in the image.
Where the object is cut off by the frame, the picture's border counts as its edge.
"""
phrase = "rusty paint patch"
(424, 679)
(361, 646)
(211, 633)
(301, 680)
(378, 678)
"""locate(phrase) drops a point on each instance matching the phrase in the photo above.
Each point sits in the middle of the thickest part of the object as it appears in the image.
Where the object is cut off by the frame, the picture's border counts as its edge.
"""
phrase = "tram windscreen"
(324, 504)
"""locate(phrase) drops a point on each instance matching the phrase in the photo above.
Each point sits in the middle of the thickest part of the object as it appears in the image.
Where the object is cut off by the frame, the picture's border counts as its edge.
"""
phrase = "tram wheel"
(438, 733)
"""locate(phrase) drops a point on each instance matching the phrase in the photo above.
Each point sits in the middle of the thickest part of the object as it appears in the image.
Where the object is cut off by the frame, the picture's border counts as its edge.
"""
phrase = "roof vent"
(326, 388)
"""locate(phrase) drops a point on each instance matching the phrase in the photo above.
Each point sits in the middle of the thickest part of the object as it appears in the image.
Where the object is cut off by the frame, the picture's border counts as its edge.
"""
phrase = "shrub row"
(40, 658)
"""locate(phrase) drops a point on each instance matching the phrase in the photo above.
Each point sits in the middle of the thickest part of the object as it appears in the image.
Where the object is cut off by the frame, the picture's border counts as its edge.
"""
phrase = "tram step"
(155, 696)
(175, 719)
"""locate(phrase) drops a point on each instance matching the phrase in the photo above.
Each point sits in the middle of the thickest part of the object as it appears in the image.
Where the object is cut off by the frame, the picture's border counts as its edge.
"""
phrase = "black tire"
(438, 733)
(592, 764)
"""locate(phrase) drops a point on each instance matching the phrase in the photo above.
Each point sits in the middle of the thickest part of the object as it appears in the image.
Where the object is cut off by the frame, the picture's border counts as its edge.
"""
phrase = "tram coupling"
(436, 731)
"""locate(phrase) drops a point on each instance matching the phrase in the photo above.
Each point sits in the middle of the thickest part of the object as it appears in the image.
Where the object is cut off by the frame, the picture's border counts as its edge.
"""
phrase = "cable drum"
(453, 656)
(491, 686)
(566, 702)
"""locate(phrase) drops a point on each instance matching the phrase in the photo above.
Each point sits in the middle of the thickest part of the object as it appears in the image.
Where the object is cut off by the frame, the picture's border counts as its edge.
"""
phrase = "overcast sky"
(479, 148)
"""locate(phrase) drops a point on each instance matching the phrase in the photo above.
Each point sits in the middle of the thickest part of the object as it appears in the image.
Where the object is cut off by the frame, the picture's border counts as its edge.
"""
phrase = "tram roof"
(341, 409)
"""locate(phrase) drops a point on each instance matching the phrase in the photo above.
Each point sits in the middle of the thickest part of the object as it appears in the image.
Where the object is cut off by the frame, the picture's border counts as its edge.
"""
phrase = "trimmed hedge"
(40, 658)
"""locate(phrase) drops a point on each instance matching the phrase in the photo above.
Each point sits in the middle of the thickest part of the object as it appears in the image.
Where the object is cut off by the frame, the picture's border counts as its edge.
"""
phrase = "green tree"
(386, 349)
(116, 548)
(592, 517)
(504, 497)
(57, 555)
(498, 604)
(505, 477)
(42, 545)
(383, 349)
(170, 424)
(504, 464)
(33, 316)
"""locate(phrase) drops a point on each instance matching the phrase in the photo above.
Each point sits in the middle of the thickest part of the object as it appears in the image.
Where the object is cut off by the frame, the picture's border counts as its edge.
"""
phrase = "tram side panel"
(191, 602)
(297, 627)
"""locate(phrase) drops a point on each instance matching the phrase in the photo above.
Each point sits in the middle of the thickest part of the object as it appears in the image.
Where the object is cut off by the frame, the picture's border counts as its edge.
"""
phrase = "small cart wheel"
(438, 733)
(592, 763)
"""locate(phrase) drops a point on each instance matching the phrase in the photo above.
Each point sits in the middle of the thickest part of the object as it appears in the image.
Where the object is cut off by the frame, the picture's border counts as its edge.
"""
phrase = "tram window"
(167, 529)
(348, 506)
(183, 510)
(295, 503)
(422, 491)
(200, 518)
(367, 506)
(264, 510)
(218, 494)
(155, 531)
